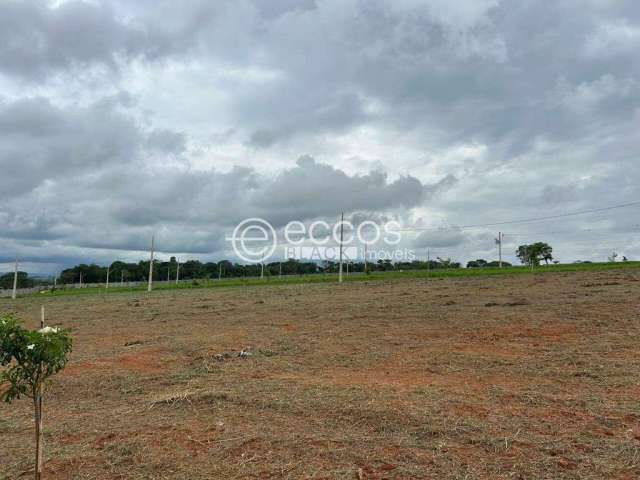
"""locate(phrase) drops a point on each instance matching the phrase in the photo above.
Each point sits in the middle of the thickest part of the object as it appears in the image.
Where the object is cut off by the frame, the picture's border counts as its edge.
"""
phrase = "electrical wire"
(524, 220)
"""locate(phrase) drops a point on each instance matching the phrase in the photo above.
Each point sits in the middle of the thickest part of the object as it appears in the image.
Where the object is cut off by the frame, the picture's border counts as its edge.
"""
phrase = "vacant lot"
(529, 376)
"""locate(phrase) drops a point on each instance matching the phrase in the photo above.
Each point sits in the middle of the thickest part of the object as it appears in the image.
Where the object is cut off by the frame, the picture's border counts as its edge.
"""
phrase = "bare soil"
(507, 377)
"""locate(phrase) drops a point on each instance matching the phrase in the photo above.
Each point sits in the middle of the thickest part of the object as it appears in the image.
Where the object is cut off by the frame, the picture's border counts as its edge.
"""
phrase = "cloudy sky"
(121, 118)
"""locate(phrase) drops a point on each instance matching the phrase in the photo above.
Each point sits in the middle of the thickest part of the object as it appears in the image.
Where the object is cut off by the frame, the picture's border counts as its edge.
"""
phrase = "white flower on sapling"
(48, 330)
(30, 347)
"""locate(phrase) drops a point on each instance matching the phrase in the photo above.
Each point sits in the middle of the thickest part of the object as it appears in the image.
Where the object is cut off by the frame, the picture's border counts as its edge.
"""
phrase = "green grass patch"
(355, 277)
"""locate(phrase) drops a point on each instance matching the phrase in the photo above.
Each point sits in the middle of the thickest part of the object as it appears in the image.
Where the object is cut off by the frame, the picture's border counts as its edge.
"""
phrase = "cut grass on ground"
(493, 377)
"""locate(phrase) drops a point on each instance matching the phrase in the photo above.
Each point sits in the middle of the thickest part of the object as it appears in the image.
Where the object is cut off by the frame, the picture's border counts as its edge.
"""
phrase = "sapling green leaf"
(28, 359)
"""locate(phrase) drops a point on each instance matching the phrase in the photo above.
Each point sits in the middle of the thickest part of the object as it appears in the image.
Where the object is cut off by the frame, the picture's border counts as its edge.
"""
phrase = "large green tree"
(534, 253)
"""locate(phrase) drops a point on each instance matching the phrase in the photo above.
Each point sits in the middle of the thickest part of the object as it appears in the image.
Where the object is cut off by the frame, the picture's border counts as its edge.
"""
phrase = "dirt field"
(534, 377)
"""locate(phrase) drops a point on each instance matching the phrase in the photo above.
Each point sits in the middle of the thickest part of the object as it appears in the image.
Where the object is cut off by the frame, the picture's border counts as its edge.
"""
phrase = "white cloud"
(613, 38)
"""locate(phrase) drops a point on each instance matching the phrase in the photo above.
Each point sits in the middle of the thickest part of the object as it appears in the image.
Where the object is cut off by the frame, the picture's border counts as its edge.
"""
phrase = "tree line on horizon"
(195, 269)
(532, 254)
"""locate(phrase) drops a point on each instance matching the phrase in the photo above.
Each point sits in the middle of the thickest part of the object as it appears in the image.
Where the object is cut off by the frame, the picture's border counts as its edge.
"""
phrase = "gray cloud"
(440, 238)
(312, 190)
(114, 202)
(36, 39)
(40, 141)
(166, 141)
(120, 117)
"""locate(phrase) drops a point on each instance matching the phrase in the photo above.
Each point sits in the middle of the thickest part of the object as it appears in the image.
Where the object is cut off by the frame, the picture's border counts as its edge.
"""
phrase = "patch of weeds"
(186, 375)
(426, 431)
(423, 391)
(533, 399)
(373, 355)
(585, 374)
(608, 422)
(265, 352)
(128, 389)
(126, 385)
(628, 454)
(214, 363)
(121, 453)
(285, 347)
(496, 392)
(188, 396)
(6, 426)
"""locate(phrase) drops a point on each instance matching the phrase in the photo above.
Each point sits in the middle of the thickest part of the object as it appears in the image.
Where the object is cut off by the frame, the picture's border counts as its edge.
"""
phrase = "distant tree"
(446, 263)
(546, 251)
(526, 255)
(225, 268)
(210, 270)
(384, 265)
(192, 269)
(479, 263)
(119, 271)
(6, 281)
(496, 263)
(613, 257)
(534, 253)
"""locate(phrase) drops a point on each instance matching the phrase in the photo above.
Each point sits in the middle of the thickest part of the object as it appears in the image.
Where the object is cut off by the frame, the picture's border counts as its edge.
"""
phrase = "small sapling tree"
(29, 358)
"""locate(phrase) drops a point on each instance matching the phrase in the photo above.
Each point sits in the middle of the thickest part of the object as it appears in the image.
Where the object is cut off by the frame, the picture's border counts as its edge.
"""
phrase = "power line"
(632, 228)
(524, 220)
(606, 243)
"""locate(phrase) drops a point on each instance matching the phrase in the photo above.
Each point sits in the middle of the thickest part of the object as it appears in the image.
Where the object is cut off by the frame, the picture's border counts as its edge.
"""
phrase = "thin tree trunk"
(39, 435)
(15, 282)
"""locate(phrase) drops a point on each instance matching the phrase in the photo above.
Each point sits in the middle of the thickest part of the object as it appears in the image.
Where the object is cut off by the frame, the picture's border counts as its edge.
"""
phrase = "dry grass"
(489, 378)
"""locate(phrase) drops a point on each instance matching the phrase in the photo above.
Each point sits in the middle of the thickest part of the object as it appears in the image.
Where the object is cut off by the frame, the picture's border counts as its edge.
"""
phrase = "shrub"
(30, 358)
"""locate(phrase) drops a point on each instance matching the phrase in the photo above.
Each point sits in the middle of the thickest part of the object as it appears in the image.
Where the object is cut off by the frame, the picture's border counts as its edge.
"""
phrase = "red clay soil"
(522, 377)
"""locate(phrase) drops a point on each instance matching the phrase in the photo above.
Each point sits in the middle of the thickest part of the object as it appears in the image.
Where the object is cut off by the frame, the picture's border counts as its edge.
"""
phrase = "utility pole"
(365, 258)
(428, 262)
(121, 278)
(15, 281)
(168, 273)
(220, 271)
(80, 279)
(108, 271)
(341, 239)
(280, 272)
(150, 284)
(177, 271)
(499, 242)
(42, 316)
(262, 267)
